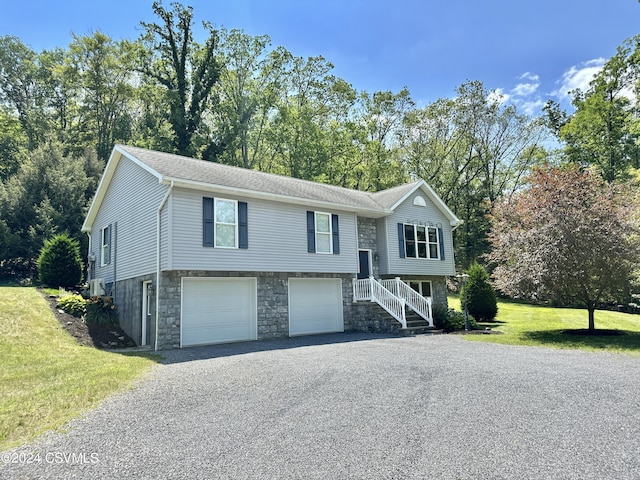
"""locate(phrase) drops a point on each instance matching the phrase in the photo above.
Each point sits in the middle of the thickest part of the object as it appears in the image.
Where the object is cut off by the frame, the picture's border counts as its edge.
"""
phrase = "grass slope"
(544, 326)
(46, 377)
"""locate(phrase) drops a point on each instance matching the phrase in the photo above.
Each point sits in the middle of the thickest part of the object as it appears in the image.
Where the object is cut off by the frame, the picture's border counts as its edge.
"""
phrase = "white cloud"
(578, 77)
(525, 89)
(529, 76)
(498, 96)
(532, 108)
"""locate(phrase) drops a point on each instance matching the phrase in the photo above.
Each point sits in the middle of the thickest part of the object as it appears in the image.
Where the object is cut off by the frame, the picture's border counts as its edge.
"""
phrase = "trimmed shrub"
(73, 304)
(480, 295)
(452, 320)
(439, 315)
(59, 263)
(101, 311)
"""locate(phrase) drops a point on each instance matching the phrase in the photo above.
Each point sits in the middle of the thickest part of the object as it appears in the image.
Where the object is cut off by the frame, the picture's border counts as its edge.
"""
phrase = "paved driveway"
(359, 406)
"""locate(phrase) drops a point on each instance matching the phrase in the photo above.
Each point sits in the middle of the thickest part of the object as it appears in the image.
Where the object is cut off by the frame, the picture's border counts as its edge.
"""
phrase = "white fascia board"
(454, 221)
(208, 187)
(142, 165)
(114, 159)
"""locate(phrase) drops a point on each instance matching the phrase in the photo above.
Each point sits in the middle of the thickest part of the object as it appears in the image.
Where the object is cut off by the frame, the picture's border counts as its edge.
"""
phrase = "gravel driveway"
(358, 406)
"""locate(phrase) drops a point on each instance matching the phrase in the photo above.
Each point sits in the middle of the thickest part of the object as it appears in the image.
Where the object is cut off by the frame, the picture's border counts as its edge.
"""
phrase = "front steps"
(416, 325)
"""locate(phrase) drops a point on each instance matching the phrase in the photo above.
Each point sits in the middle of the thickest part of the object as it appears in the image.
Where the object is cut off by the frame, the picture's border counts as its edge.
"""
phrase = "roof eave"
(114, 159)
(245, 192)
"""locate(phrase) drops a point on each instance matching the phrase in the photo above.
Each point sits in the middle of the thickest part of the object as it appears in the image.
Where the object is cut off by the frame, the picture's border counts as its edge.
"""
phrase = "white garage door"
(218, 310)
(315, 306)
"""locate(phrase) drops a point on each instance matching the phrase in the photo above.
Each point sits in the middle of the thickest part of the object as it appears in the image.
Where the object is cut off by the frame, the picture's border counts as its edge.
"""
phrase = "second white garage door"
(315, 306)
(218, 310)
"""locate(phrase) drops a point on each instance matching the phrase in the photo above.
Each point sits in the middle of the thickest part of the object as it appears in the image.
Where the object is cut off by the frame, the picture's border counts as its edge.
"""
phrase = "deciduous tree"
(603, 131)
(185, 69)
(567, 237)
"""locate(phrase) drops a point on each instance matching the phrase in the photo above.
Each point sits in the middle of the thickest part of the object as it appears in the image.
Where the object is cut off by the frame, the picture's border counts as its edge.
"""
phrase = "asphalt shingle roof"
(177, 167)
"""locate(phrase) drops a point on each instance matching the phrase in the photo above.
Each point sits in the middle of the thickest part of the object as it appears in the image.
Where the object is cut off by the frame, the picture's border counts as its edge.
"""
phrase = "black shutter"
(401, 239)
(243, 229)
(107, 237)
(335, 233)
(207, 222)
(311, 232)
(441, 241)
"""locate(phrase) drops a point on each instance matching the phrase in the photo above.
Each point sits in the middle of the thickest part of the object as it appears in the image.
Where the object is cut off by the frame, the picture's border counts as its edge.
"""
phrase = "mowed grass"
(523, 324)
(46, 377)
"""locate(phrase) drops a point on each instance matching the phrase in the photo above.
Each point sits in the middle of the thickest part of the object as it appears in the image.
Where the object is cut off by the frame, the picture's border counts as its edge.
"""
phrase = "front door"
(147, 309)
(364, 257)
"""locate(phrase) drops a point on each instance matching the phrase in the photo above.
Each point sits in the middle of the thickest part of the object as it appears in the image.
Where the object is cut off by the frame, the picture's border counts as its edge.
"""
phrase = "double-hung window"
(224, 223)
(421, 241)
(105, 248)
(323, 232)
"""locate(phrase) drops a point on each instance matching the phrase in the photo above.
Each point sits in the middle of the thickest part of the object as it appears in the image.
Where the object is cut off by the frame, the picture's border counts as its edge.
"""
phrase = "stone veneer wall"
(128, 300)
(272, 302)
(370, 317)
(367, 240)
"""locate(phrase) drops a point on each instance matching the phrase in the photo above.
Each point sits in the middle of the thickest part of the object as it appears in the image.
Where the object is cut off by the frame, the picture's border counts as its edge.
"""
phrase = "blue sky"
(530, 51)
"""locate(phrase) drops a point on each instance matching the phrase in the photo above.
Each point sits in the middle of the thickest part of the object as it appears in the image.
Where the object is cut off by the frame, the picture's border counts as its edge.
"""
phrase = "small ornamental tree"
(568, 237)
(480, 295)
(59, 264)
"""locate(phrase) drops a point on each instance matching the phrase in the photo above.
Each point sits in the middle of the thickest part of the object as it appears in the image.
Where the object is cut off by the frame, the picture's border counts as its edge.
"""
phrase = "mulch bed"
(90, 335)
(485, 331)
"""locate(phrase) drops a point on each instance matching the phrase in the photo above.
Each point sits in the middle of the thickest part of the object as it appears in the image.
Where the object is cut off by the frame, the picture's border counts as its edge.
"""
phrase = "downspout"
(89, 259)
(114, 254)
(162, 204)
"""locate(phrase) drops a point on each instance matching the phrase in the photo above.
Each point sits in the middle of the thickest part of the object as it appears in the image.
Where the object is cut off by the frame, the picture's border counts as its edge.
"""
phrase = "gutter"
(370, 212)
(162, 204)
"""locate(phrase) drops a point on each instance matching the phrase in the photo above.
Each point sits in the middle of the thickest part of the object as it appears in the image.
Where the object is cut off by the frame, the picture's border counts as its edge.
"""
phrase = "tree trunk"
(592, 325)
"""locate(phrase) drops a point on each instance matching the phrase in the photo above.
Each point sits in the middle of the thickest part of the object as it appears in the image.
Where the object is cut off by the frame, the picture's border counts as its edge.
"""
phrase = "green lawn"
(544, 326)
(46, 378)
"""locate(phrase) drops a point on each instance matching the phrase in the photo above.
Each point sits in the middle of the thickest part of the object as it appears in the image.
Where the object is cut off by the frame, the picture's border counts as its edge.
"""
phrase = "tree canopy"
(223, 95)
(568, 237)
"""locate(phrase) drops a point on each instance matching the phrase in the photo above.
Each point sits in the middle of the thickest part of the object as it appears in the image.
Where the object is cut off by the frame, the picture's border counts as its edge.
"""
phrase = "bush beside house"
(59, 263)
(479, 294)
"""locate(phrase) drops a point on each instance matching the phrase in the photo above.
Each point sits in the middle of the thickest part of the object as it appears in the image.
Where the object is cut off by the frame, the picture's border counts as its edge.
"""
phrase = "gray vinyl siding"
(383, 247)
(166, 237)
(130, 205)
(277, 239)
(407, 212)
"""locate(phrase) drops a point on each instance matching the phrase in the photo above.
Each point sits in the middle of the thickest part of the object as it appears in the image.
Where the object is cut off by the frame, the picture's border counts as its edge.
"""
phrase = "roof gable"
(209, 176)
(393, 197)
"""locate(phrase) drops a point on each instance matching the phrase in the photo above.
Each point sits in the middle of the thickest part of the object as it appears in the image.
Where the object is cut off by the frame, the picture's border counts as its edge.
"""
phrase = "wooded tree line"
(236, 99)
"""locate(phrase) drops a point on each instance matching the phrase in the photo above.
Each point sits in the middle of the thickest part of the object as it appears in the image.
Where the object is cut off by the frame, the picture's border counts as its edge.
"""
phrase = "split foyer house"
(196, 252)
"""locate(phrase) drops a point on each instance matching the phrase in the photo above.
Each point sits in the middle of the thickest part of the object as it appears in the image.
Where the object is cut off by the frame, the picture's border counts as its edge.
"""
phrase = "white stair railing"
(418, 303)
(372, 290)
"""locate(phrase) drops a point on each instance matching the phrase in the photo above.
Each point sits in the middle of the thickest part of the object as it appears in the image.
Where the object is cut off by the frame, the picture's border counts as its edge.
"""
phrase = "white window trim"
(436, 243)
(428, 244)
(216, 223)
(105, 259)
(420, 282)
(329, 234)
